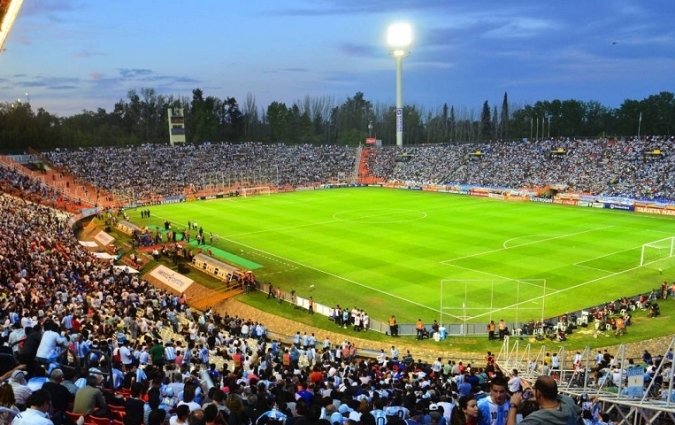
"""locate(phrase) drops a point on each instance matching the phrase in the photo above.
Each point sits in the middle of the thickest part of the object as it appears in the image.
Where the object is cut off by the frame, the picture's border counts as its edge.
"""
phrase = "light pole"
(543, 127)
(399, 37)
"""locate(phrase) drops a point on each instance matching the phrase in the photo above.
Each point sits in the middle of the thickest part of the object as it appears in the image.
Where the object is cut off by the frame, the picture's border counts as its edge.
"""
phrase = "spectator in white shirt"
(38, 412)
(514, 382)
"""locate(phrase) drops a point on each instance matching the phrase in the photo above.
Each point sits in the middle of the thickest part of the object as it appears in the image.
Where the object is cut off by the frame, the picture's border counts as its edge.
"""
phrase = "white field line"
(335, 220)
(525, 244)
(479, 271)
(280, 229)
(591, 268)
(336, 276)
(445, 262)
(606, 255)
(392, 212)
(579, 285)
(288, 260)
(581, 263)
(263, 231)
(525, 281)
(660, 231)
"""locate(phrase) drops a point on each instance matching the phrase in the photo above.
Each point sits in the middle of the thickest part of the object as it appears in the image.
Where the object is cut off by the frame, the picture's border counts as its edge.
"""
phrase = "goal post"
(260, 190)
(655, 251)
(518, 301)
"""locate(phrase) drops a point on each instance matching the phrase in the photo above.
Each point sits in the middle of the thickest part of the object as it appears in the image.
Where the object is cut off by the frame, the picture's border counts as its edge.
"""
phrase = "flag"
(596, 407)
(640, 117)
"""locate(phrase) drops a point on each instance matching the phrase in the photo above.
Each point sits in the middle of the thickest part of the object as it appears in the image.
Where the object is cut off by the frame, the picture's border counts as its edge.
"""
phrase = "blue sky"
(70, 55)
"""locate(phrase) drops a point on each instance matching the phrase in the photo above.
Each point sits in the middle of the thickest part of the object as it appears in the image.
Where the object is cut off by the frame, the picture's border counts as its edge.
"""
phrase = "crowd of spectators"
(622, 168)
(167, 360)
(163, 170)
(105, 343)
(627, 168)
(13, 182)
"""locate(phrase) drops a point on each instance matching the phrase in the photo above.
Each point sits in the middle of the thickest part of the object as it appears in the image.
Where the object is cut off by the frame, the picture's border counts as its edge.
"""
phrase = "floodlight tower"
(399, 37)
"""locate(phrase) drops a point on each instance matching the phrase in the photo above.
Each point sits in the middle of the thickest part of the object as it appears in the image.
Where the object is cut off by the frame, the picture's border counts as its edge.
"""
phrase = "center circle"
(380, 215)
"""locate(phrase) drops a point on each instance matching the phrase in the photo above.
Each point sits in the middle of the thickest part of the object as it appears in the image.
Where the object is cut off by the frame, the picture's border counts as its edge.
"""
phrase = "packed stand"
(601, 167)
(161, 170)
(13, 182)
(167, 360)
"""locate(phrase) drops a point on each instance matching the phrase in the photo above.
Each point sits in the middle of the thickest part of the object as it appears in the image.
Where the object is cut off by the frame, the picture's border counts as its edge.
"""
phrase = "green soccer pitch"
(405, 252)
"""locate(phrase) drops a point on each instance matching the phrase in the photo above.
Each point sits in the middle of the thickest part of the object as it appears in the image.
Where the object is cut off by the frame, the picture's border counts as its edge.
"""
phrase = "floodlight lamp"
(399, 36)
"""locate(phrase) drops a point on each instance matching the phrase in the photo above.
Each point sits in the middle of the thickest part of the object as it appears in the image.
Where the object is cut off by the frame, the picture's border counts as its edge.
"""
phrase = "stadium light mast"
(399, 37)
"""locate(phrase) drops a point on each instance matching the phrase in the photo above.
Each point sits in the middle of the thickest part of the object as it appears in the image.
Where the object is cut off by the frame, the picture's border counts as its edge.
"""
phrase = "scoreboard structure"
(176, 126)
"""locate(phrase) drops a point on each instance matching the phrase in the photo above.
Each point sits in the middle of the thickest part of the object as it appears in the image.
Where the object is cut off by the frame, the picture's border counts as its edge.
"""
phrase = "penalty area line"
(579, 285)
(335, 276)
(525, 244)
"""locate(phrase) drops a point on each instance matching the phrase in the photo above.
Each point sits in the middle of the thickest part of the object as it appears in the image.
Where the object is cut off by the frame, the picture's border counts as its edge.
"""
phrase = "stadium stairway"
(365, 176)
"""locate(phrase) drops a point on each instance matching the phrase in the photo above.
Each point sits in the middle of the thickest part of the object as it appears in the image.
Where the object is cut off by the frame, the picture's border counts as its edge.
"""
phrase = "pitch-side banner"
(651, 210)
(103, 238)
(170, 278)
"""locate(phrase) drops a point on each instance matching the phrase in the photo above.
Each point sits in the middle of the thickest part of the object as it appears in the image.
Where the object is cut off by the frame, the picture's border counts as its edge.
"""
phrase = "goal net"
(657, 251)
(250, 191)
(475, 301)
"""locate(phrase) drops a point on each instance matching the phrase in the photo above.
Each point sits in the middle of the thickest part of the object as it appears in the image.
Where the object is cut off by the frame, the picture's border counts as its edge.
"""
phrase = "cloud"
(186, 80)
(46, 7)
(127, 73)
(87, 54)
(52, 10)
(520, 27)
(63, 87)
(359, 50)
(352, 7)
(46, 82)
(22, 39)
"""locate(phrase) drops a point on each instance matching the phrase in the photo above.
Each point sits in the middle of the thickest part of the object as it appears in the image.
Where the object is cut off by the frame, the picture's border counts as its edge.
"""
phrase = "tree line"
(142, 118)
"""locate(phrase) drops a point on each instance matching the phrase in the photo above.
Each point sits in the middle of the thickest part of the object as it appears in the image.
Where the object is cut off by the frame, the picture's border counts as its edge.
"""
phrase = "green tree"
(277, 121)
(504, 119)
(354, 115)
(658, 114)
(573, 112)
(628, 117)
(452, 124)
(485, 122)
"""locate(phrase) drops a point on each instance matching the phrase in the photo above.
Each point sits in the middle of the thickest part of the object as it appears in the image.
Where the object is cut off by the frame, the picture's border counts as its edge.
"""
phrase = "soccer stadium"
(387, 237)
(245, 282)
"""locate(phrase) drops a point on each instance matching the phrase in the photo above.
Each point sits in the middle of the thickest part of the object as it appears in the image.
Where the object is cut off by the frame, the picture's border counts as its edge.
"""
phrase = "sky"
(72, 55)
